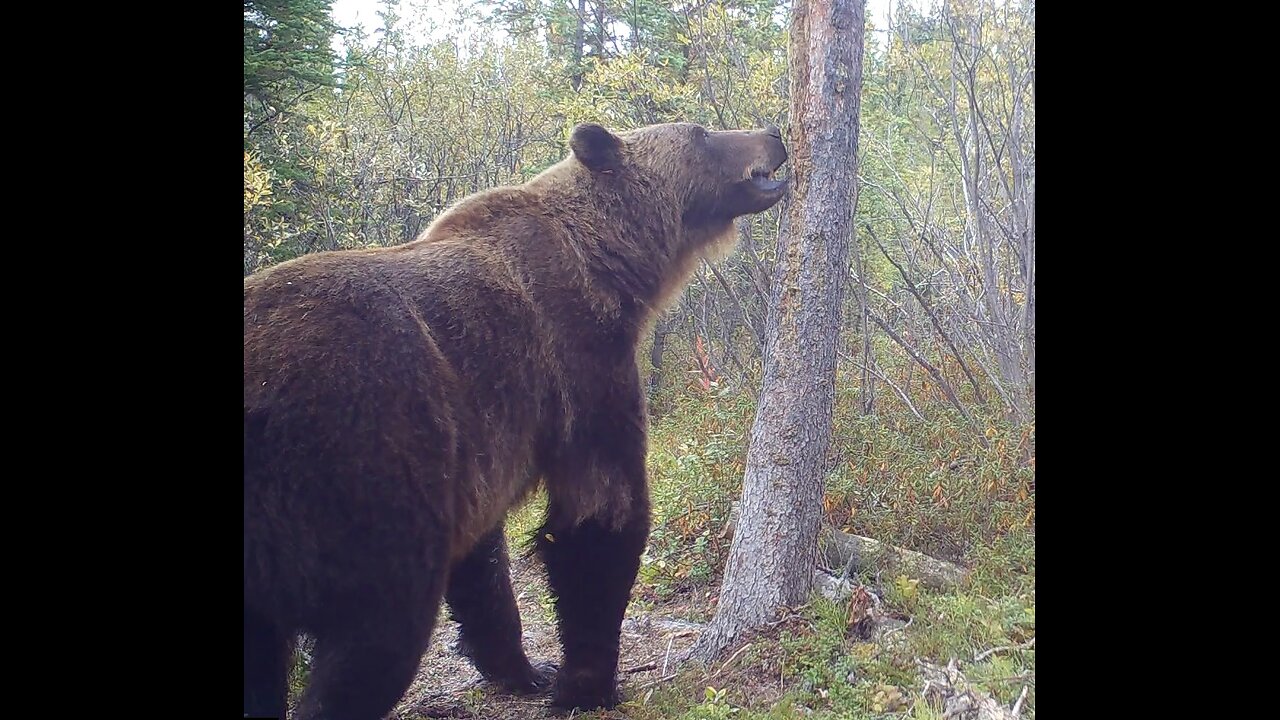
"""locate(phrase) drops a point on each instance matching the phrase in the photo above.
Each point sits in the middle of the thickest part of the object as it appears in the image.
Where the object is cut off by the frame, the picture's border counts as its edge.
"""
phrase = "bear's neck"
(647, 267)
(636, 256)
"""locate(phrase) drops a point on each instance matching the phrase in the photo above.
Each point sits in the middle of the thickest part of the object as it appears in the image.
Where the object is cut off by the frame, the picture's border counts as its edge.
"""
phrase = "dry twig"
(1024, 646)
(728, 662)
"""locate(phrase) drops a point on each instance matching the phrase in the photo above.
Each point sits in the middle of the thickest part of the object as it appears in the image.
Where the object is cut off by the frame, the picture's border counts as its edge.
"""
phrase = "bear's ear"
(597, 148)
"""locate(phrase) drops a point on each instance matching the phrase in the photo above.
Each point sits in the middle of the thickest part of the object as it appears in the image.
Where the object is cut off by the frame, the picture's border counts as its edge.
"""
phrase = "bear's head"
(711, 176)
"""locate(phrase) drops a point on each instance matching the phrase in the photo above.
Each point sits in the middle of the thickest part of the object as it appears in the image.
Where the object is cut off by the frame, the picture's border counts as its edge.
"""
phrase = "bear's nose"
(773, 131)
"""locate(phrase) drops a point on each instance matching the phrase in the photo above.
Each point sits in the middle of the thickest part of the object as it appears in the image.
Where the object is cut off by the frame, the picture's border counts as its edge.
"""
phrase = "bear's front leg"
(591, 568)
(597, 525)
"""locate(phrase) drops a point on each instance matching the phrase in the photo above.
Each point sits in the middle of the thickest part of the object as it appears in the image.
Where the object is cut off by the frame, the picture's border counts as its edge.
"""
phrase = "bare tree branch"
(933, 318)
(929, 367)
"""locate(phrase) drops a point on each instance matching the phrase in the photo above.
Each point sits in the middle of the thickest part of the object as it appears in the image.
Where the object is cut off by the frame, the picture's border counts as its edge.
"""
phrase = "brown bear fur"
(398, 402)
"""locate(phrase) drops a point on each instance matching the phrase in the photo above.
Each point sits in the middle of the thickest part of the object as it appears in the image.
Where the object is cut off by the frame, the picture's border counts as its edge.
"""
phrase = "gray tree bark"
(578, 39)
(660, 331)
(773, 554)
(868, 389)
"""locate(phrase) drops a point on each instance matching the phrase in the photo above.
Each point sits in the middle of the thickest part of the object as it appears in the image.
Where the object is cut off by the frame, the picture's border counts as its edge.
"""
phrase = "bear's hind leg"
(481, 600)
(267, 652)
(363, 669)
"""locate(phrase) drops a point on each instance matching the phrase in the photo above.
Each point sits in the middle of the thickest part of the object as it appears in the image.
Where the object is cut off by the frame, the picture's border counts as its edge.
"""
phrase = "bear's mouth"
(762, 179)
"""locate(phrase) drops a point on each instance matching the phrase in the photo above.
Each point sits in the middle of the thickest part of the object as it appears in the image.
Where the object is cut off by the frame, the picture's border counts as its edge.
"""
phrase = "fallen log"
(838, 550)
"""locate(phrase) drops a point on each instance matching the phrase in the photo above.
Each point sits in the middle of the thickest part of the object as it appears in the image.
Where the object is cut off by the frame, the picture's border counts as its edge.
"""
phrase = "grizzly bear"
(399, 401)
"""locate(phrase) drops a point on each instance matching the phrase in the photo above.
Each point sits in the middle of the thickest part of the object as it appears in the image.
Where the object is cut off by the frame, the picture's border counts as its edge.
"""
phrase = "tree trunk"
(964, 69)
(868, 390)
(577, 45)
(660, 331)
(772, 557)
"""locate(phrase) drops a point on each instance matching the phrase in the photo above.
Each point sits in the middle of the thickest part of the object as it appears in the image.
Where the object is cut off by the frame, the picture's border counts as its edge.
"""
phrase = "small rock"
(831, 587)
